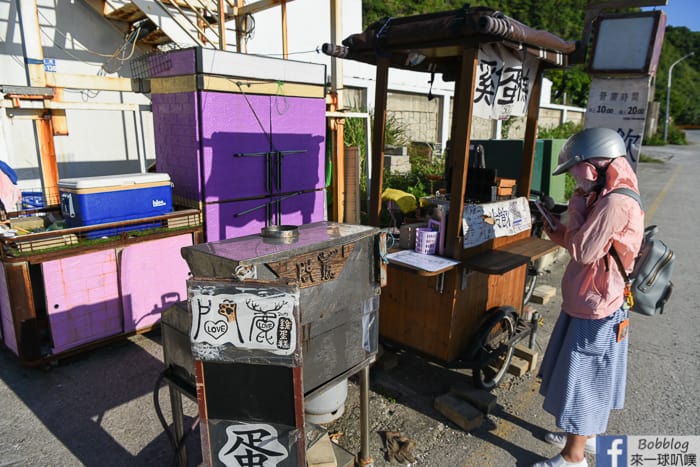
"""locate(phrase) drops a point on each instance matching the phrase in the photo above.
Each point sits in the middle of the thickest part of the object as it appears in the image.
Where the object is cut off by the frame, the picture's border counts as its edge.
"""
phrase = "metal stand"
(365, 458)
(177, 388)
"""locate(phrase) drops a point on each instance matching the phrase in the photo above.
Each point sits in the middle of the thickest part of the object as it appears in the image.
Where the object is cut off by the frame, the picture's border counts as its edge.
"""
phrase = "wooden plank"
(532, 247)
(461, 131)
(380, 99)
(470, 305)
(285, 42)
(506, 289)
(47, 158)
(495, 262)
(414, 314)
(512, 255)
(460, 412)
(314, 268)
(23, 312)
(103, 83)
(190, 83)
(529, 355)
(258, 6)
(518, 367)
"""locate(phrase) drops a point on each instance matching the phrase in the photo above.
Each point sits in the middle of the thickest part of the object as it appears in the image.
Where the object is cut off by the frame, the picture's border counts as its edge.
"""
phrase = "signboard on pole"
(620, 104)
(626, 49)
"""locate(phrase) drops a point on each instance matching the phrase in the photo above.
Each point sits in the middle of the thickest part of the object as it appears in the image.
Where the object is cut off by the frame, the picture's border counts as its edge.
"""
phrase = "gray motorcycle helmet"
(590, 143)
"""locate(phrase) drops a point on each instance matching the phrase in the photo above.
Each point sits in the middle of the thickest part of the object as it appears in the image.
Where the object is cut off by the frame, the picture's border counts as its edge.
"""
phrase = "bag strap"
(631, 193)
(620, 267)
(635, 196)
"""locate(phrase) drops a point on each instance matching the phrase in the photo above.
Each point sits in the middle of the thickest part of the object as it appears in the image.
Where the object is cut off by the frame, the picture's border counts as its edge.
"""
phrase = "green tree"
(565, 18)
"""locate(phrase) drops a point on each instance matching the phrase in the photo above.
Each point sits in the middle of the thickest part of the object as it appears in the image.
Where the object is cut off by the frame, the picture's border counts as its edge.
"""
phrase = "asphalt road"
(663, 374)
(98, 409)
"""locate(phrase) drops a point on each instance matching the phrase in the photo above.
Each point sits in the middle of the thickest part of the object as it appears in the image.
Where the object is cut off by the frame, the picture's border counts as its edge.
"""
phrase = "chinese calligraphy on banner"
(504, 80)
(482, 222)
(620, 104)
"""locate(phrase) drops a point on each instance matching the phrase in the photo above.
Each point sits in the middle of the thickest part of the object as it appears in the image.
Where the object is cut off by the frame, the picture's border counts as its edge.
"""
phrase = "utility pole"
(668, 92)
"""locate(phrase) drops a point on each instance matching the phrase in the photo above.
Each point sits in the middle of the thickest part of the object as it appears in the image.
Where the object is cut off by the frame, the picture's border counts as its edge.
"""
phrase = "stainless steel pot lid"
(280, 231)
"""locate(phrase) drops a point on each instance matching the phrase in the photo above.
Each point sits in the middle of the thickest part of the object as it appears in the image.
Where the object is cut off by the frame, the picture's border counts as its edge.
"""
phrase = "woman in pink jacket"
(584, 368)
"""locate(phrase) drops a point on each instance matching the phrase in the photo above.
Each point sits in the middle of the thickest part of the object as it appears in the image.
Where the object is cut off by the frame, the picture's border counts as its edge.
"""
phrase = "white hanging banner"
(504, 80)
(483, 222)
(620, 104)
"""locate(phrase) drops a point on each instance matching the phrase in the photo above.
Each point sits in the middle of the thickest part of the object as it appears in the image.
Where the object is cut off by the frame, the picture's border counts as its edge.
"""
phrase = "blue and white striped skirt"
(584, 372)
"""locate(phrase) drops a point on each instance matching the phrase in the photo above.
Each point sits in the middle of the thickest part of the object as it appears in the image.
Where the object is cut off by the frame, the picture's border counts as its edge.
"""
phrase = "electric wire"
(84, 49)
(317, 50)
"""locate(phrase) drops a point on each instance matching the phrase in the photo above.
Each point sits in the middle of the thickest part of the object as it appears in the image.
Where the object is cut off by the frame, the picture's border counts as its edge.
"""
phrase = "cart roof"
(440, 38)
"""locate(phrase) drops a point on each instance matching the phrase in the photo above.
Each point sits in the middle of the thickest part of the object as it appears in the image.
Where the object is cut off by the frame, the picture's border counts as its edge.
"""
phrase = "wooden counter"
(437, 314)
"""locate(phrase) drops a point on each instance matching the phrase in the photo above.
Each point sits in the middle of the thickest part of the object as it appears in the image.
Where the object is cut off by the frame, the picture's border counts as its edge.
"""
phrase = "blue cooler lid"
(122, 180)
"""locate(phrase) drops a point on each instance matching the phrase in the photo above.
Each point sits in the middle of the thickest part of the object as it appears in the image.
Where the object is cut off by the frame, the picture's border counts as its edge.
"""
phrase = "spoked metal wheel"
(495, 354)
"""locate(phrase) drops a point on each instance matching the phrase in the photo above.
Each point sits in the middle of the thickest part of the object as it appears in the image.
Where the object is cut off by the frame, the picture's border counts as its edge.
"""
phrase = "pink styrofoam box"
(223, 220)
(178, 62)
(235, 134)
(175, 126)
(299, 124)
(6, 319)
(153, 276)
(239, 129)
(82, 298)
(305, 208)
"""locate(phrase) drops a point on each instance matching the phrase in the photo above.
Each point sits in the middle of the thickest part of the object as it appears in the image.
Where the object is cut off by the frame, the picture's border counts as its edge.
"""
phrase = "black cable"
(159, 411)
(183, 441)
(177, 445)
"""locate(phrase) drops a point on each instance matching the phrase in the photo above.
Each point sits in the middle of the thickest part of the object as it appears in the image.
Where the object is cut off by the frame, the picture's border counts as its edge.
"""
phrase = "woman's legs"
(574, 449)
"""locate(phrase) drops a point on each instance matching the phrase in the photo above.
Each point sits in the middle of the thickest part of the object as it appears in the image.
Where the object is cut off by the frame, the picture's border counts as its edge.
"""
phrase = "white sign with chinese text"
(620, 104)
(504, 80)
(482, 222)
(245, 320)
(250, 444)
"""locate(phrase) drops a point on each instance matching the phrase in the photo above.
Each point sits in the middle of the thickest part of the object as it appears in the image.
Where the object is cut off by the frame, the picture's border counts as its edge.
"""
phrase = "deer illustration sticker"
(253, 318)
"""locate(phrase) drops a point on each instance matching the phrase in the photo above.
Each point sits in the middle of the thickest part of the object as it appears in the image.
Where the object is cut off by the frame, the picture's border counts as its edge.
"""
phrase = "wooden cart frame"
(467, 314)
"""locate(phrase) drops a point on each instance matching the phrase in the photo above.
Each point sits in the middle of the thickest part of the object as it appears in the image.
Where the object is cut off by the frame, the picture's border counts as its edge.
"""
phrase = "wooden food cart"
(467, 313)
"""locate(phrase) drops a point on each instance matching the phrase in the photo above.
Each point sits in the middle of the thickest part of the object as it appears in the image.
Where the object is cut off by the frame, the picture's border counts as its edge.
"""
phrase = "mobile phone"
(546, 214)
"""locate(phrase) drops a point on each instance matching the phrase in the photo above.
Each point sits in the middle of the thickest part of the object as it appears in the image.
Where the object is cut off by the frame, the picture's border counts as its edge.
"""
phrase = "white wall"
(103, 142)
(99, 141)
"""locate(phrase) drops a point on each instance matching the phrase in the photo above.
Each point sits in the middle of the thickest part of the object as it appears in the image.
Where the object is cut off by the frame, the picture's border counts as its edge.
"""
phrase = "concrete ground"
(98, 408)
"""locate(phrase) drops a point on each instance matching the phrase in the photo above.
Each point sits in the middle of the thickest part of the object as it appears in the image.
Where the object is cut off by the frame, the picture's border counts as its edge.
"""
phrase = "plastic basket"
(32, 200)
(426, 241)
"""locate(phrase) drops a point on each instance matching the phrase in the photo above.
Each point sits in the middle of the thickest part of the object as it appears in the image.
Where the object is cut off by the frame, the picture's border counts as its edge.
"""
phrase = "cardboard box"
(99, 200)
(505, 187)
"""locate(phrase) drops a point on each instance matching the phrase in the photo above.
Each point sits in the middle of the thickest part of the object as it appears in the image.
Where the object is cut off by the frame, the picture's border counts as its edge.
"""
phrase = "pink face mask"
(585, 175)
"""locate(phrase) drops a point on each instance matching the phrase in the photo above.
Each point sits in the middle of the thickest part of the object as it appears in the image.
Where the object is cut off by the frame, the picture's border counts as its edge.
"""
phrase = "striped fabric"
(584, 372)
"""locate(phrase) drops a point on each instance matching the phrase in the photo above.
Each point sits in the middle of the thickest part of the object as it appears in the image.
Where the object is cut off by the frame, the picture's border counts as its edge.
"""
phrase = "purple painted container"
(228, 148)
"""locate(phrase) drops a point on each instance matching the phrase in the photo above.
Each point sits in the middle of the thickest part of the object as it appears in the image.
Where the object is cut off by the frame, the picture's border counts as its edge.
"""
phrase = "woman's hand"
(578, 201)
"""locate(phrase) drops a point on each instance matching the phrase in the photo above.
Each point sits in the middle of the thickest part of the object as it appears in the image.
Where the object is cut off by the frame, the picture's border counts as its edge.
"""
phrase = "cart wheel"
(496, 358)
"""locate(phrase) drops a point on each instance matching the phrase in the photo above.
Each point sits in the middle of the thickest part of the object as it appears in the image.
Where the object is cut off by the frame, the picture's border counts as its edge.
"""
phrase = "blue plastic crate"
(32, 200)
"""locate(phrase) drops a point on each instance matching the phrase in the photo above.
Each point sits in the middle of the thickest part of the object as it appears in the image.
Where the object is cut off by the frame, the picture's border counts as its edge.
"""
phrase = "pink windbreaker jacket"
(592, 286)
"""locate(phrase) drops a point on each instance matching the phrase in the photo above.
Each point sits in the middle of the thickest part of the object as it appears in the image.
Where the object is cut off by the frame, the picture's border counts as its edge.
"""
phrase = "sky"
(681, 13)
